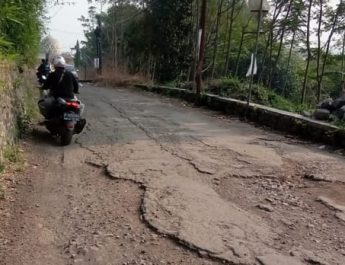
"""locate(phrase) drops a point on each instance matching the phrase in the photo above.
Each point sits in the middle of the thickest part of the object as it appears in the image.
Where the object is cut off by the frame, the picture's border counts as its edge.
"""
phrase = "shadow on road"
(41, 136)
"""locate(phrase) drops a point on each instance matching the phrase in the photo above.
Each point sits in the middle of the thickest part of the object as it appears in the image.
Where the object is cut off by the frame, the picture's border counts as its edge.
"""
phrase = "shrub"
(235, 88)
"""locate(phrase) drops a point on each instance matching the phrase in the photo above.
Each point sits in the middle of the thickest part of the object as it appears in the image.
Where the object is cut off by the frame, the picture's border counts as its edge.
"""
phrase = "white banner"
(253, 68)
(96, 63)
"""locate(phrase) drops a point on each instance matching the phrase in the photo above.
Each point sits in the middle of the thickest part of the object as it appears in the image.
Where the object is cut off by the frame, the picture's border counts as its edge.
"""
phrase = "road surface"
(152, 180)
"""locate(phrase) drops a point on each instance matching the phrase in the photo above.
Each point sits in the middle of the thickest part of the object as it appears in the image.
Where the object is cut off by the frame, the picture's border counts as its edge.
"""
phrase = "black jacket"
(61, 83)
(43, 69)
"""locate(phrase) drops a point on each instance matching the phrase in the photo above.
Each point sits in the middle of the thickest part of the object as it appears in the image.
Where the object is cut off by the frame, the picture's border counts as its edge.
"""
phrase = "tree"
(215, 46)
(308, 47)
(333, 18)
(171, 27)
(77, 56)
(50, 46)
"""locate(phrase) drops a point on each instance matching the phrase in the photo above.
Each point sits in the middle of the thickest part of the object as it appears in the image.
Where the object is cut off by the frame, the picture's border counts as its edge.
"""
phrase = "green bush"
(20, 29)
(232, 87)
(231, 83)
(279, 102)
(235, 88)
(12, 154)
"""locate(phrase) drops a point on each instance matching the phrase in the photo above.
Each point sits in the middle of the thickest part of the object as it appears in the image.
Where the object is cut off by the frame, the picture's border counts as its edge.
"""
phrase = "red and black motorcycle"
(64, 119)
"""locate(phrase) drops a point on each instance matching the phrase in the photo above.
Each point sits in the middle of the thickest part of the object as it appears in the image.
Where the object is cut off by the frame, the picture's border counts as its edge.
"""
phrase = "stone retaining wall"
(7, 107)
(291, 123)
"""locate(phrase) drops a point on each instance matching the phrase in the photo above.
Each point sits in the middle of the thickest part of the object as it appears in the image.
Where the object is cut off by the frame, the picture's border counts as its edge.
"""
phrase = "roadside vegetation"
(20, 30)
(21, 27)
(25, 112)
(299, 64)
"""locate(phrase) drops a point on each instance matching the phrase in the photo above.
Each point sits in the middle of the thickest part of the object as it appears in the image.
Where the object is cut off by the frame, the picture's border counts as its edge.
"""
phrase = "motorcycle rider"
(43, 70)
(62, 84)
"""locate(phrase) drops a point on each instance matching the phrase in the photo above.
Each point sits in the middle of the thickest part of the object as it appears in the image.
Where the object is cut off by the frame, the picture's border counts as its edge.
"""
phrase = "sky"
(64, 25)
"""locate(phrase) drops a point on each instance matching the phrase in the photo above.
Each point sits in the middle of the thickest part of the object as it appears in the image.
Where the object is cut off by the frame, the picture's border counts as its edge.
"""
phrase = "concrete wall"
(284, 121)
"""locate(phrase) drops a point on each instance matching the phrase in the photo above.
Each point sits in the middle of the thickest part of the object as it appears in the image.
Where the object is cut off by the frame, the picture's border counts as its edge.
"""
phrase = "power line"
(57, 12)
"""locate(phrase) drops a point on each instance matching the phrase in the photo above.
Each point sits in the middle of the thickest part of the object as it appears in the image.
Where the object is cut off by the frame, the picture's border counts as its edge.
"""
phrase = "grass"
(28, 107)
(339, 123)
(121, 78)
(12, 154)
(2, 86)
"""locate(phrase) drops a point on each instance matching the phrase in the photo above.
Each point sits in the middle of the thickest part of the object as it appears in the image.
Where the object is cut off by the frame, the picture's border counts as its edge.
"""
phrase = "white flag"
(96, 63)
(253, 68)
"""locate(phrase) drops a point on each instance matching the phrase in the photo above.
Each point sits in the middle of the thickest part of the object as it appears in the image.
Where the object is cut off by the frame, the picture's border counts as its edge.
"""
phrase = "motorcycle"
(41, 78)
(64, 119)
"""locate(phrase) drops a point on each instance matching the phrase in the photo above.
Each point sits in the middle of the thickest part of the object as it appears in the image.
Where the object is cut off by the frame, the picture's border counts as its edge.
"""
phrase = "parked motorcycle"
(64, 119)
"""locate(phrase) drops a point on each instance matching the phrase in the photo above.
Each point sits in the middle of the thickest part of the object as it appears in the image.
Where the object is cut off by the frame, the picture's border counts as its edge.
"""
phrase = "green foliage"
(28, 108)
(340, 124)
(77, 56)
(12, 154)
(171, 27)
(14, 157)
(279, 102)
(153, 38)
(232, 87)
(20, 29)
(235, 88)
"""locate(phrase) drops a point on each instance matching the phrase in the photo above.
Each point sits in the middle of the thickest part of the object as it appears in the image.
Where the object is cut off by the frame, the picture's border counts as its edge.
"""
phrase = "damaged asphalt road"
(153, 181)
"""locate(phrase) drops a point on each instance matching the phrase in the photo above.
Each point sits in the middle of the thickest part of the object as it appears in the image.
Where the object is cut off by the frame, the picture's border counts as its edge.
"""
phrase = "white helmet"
(59, 61)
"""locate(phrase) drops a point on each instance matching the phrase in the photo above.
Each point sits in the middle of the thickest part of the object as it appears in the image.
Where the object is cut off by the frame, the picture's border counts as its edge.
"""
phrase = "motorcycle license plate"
(70, 116)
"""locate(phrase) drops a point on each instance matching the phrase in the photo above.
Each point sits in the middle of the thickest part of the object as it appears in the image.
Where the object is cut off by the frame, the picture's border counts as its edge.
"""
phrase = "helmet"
(59, 61)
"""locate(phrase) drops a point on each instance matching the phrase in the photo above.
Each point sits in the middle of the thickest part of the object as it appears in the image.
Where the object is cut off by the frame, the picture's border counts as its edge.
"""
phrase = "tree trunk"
(196, 51)
(289, 60)
(228, 49)
(215, 46)
(335, 21)
(305, 80)
(281, 40)
(239, 52)
(276, 14)
(319, 51)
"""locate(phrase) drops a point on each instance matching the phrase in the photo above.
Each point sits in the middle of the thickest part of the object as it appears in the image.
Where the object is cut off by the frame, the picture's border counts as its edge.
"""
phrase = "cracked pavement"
(154, 181)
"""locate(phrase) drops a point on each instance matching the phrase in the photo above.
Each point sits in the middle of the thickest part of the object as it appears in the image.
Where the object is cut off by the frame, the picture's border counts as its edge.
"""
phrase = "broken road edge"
(288, 122)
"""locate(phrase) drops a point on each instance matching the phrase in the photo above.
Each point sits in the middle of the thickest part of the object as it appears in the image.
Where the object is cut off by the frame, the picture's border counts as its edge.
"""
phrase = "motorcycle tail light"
(73, 104)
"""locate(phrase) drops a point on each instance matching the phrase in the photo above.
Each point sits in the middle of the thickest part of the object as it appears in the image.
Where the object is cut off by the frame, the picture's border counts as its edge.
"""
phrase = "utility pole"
(98, 34)
(201, 49)
(342, 68)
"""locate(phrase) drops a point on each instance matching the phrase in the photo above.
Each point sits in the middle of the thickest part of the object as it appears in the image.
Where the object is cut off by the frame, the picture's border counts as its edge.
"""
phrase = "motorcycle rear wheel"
(66, 137)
